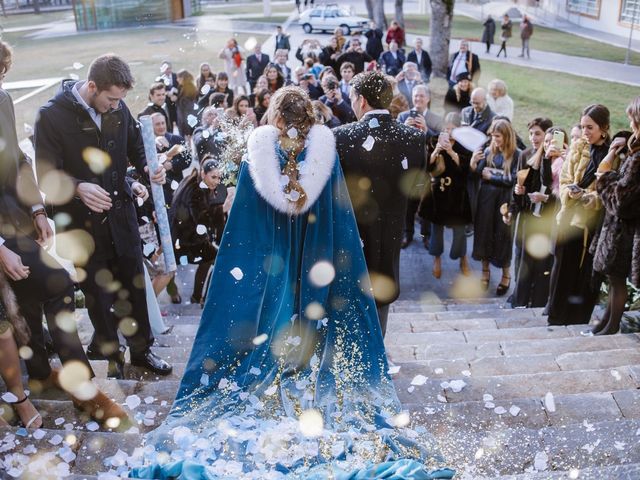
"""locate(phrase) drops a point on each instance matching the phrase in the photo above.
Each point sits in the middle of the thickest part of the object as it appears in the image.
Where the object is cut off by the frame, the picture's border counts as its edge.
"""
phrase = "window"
(628, 9)
(588, 8)
(315, 13)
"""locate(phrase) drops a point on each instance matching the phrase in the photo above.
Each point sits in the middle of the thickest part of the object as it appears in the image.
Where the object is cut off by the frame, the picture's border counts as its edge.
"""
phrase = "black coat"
(617, 246)
(206, 141)
(489, 30)
(282, 42)
(393, 161)
(374, 42)
(327, 61)
(16, 175)
(195, 206)
(472, 61)
(389, 64)
(447, 201)
(424, 66)
(153, 108)
(357, 58)
(63, 131)
(342, 111)
(178, 164)
(451, 102)
(256, 68)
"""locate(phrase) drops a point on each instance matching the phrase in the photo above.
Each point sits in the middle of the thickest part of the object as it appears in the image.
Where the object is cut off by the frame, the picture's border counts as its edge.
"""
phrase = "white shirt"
(459, 66)
(95, 116)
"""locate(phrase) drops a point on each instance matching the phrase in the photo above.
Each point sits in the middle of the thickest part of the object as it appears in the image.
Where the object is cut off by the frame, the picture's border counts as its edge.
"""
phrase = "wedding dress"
(288, 376)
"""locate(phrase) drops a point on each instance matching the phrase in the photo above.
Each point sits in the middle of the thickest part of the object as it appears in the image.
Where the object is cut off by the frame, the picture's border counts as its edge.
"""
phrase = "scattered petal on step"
(149, 400)
(466, 373)
(419, 380)
(619, 445)
(442, 398)
(55, 440)
(549, 402)
(411, 389)
(59, 421)
(394, 369)
(500, 410)
(489, 405)
(540, 461)
(514, 410)
(39, 434)
(616, 374)
(271, 390)
(92, 426)
(438, 371)
(457, 385)
(9, 397)
(204, 379)
(132, 401)
(487, 397)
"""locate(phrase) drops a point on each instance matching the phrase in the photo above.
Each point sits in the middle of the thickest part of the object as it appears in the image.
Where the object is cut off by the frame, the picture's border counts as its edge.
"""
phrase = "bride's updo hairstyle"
(291, 111)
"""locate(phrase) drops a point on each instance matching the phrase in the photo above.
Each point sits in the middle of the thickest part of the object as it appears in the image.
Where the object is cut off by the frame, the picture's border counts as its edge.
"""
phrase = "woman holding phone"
(535, 200)
(447, 204)
(497, 165)
(572, 293)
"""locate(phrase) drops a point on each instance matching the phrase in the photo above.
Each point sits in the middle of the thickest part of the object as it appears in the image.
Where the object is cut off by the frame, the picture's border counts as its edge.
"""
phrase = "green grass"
(558, 96)
(144, 48)
(545, 39)
(30, 19)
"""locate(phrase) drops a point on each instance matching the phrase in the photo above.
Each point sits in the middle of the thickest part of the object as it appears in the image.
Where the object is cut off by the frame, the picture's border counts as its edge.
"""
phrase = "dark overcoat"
(379, 178)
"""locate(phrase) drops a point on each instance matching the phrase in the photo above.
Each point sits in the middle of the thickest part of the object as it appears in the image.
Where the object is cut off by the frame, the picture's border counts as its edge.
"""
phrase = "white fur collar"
(264, 166)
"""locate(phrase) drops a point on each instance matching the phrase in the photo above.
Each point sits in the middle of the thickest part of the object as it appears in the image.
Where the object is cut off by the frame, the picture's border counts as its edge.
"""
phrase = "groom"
(380, 159)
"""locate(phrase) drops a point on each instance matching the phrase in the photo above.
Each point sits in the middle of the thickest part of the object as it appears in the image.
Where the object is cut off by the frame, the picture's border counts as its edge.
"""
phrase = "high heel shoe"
(486, 279)
(502, 288)
(35, 421)
(437, 267)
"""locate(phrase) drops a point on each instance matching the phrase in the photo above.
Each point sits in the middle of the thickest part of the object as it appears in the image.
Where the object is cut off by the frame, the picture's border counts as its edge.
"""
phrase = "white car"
(329, 17)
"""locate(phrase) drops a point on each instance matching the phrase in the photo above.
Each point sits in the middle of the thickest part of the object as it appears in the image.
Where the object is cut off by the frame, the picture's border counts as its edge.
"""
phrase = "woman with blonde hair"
(292, 325)
(497, 166)
(187, 97)
(459, 96)
(572, 293)
(498, 99)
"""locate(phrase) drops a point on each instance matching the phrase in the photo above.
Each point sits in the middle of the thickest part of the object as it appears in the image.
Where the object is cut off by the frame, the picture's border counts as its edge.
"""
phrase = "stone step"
(505, 387)
(616, 472)
(510, 451)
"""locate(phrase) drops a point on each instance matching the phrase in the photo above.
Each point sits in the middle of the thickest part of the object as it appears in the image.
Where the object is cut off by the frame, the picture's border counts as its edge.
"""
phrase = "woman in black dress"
(572, 293)
(447, 202)
(617, 248)
(497, 165)
(535, 201)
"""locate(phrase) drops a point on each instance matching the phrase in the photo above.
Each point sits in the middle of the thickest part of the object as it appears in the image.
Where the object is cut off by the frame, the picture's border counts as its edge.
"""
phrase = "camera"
(332, 85)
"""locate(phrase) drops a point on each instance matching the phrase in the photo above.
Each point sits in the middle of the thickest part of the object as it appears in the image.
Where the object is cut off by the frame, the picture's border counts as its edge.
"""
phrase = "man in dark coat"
(374, 46)
(422, 59)
(479, 115)
(87, 134)
(463, 61)
(170, 81)
(157, 102)
(282, 40)
(207, 138)
(256, 63)
(379, 156)
(332, 98)
(355, 55)
(391, 61)
(40, 284)
(177, 156)
(489, 32)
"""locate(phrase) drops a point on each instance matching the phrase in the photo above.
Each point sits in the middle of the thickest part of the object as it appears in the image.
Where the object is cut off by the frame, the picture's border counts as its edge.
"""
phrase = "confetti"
(184, 260)
(466, 373)
(401, 420)
(149, 400)
(192, 120)
(260, 339)
(271, 390)
(487, 397)
(132, 401)
(292, 133)
(619, 445)
(442, 398)
(616, 374)
(9, 397)
(55, 440)
(204, 379)
(500, 410)
(59, 421)
(205, 89)
(589, 426)
(368, 143)
(405, 163)
(148, 249)
(419, 380)
(411, 389)
(373, 123)
(201, 229)
(174, 185)
(394, 369)
(237, 273)
(438, 371)
(549, 402)
(140, 201)
(540, 461)
(514, 410)
(39, 434)
(92, 426)
(489, 405)
(255, 371)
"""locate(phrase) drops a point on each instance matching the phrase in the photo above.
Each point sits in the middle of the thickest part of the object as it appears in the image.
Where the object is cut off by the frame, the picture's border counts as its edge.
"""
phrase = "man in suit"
(410, 78)
(391, 62)
(332, 98)
(86, 133)
(355, 55)
(347, 71)
(422, 59)
(170, 81)
(157, 104)
(479, 115)
(377, 154)
(422, 118)
(208, 138)
(281, 64)
(282, 40)
(40, 284)
(176, 155)
(256, 63)
(463, 61)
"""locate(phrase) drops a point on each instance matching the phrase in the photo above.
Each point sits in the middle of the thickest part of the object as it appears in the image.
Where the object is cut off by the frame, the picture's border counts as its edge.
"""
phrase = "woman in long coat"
(497, 165)
(489, 32)
(572, 293)
(234, 66)
(617, 247)
(446, 204)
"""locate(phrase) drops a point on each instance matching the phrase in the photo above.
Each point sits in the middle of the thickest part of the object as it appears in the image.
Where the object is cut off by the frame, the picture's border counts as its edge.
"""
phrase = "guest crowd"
(556, 218)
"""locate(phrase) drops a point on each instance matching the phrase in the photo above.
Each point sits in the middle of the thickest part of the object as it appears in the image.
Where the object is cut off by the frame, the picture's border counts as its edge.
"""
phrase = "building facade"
(611, 16)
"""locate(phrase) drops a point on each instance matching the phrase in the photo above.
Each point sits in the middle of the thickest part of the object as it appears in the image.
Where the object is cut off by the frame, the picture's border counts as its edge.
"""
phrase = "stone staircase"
(506, 396)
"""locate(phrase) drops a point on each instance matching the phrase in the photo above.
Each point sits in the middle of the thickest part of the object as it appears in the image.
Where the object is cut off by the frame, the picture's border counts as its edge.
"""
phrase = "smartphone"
(413, 113)
(574, 188)
(558, 139)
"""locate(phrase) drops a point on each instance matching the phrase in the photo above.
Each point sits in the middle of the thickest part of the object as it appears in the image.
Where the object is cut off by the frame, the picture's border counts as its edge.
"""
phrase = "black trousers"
(410, 220)
(48, 289)
(383, 315)
(115, 297)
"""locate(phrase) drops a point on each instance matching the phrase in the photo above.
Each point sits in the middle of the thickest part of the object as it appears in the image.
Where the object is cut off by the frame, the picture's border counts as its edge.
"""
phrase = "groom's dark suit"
(377, 180)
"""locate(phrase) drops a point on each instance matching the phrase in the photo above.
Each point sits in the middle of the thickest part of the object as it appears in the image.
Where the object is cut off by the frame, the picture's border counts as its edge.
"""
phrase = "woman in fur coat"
(617, 248)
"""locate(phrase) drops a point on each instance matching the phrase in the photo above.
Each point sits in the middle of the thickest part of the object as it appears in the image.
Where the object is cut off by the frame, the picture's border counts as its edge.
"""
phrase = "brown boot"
(464, 266)
(437, 267)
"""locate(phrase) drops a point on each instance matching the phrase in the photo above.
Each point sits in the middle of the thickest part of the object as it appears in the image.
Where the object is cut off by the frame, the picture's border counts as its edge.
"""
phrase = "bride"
(288, 375)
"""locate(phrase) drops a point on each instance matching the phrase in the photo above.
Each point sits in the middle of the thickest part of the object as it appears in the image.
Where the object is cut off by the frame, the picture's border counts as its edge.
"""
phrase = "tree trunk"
(36, 6)
(369, 5)
(378, 14)
(440, 29)
(400, 12)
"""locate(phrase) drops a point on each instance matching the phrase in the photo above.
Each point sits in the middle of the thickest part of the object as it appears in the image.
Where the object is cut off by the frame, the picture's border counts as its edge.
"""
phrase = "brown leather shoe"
(464, 266)
(101, 408)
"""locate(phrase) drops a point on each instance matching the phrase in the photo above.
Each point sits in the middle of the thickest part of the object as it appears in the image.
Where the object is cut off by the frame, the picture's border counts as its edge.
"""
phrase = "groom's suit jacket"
(377, 180)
